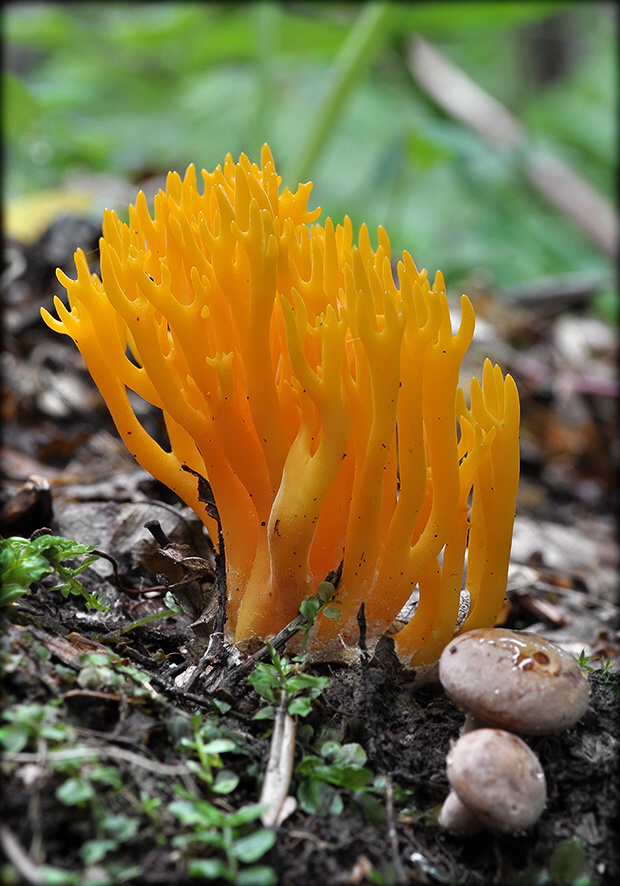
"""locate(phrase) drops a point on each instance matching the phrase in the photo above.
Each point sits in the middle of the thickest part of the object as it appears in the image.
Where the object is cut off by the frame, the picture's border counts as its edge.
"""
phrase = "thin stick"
(279, 769)
(401, 877)
(465, 100)
(356, 54)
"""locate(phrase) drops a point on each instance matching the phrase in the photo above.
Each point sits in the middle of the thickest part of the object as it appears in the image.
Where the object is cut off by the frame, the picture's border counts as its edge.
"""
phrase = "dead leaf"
(194, 589)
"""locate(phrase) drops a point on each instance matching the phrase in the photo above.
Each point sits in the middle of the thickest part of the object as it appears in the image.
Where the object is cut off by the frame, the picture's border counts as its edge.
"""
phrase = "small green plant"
(106, 670)
(330, 768)
(324, 603)
(567, 862)
(207, 743)
(83, 779)
(287, 676)
(606, 666)
(84, 788)
(284, 676)
(321, 775)
(233, 848)
(330, 771)
(25, 561)
(28, 723)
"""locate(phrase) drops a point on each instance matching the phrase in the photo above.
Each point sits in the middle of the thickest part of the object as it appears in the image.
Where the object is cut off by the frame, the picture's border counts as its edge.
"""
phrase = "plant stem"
(358, 50)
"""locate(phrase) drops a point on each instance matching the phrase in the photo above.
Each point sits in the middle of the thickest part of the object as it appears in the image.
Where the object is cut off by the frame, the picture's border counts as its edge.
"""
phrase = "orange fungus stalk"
(317, 391)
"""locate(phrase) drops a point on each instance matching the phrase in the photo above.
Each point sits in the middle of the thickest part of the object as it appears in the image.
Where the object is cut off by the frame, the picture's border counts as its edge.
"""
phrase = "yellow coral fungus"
(318, 394)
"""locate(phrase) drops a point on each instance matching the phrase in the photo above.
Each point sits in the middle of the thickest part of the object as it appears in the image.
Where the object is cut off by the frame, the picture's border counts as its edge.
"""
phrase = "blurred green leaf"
(209, 868)
(75, 792)
(424, 151)
(251, 848)
(21, 108)
(137, 89)
(466, 19)
(568, 860)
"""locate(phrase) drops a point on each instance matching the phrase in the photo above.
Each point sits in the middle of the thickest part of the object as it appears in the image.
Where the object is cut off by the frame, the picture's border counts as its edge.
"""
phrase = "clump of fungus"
(317, 391)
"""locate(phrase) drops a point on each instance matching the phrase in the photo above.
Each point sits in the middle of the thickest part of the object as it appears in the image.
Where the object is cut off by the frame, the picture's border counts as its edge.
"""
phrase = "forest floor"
(116, 770)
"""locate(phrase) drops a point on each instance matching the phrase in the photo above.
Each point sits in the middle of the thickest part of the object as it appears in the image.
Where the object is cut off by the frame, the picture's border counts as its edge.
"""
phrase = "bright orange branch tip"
(317, 391)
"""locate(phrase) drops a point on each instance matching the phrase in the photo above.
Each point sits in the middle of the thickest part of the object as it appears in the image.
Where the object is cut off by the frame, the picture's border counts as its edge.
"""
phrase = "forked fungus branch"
(317, 391)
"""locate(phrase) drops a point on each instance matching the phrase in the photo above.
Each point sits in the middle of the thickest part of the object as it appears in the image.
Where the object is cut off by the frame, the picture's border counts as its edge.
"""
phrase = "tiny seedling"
(288, 677)
(605, 667)
(84, 788)
(323, 603)
(333, 768)
(107, 670)
(207, 743)
(30, 723)
(231, 848)
(332, 772)
(173, 609)
(284, 676)
(25, 561)
(290, 693)
(83, 779)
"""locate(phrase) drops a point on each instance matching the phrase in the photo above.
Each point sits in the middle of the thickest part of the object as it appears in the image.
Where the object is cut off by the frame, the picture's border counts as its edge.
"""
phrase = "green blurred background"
(134, 89)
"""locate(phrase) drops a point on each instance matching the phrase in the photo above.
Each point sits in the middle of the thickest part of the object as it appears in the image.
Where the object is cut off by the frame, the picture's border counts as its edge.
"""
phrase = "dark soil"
(406, 735)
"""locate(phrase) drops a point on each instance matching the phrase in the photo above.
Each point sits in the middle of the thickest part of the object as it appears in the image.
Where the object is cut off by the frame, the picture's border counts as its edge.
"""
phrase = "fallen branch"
(465, 100)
